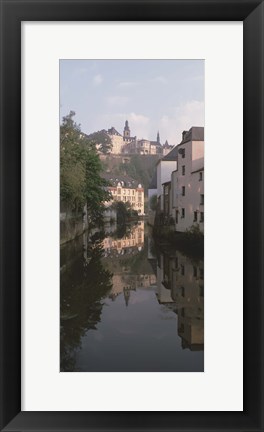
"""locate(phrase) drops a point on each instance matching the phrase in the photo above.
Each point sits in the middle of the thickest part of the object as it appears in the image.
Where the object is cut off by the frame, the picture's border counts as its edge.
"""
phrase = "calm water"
(128, 307)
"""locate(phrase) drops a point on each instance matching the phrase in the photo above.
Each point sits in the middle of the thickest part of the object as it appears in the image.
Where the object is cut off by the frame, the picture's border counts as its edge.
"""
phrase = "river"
(128, 306)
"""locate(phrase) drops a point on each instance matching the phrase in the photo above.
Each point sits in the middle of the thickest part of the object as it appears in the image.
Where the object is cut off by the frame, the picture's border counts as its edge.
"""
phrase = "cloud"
(117, 100)
(159, 79)
(194, 78)
(139, 124)
(97, 79)
(127, 84)
(81, 71)
(191, 114)
(183, 117)
(138, 119)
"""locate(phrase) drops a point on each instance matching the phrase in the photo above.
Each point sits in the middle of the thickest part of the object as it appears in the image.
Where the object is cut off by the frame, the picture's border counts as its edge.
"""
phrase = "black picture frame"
(251, 12)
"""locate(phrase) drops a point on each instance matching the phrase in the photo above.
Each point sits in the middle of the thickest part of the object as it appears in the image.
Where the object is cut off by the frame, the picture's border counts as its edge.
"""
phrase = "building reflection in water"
(177, 279)
(125, 257)
(180, 286)
(112, 282)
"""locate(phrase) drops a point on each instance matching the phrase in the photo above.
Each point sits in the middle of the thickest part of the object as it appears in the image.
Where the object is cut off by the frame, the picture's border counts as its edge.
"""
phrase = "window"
(119, 191)
(183, 213)
(201, 290)
(201, 216)
(182, 291)
(183, 170)
(200, 176)
(183, 190)
(194, 271)
(202, 199)
(183, 153)
(181, 329)
(195, 216)
(182, 269)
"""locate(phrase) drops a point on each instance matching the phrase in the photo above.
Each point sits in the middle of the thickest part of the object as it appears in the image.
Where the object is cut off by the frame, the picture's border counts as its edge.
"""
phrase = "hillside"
(140, 168)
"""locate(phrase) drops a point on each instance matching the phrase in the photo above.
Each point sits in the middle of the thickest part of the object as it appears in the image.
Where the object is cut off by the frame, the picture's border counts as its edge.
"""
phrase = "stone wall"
(72, 224)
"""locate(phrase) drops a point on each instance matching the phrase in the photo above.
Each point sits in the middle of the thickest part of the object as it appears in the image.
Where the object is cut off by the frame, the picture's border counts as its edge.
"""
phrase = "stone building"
(120, 141)
(127, 144)
(116, 140)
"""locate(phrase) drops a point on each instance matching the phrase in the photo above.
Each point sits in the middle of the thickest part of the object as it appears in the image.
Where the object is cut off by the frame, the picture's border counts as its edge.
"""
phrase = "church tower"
(126, 131)
(158, 138)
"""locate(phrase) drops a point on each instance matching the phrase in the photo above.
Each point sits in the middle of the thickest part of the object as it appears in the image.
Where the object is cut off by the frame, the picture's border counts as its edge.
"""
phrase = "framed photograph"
(132, 215)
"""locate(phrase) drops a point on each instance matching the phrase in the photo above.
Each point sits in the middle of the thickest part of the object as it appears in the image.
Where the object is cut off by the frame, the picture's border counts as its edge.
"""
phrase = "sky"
(153, 95)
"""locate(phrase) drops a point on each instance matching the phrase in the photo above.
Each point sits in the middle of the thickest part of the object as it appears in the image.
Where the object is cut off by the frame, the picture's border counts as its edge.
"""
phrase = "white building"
(152, 191)
(143, 147)
(133, 195)
(165, 167)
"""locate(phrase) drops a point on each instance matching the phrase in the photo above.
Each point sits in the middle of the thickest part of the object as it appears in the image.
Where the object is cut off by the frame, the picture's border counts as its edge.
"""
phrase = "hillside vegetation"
(139, 167)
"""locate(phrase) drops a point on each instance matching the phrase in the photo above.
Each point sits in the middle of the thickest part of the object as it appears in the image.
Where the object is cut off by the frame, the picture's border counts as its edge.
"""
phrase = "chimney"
(183, 135)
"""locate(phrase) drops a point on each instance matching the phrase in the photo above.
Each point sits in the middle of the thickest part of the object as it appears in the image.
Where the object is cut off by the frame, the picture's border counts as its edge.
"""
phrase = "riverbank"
(189, 242)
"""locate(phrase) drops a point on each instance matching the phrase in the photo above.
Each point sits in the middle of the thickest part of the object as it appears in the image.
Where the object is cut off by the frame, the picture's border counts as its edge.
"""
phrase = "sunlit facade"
(133, 196)
(135, 238)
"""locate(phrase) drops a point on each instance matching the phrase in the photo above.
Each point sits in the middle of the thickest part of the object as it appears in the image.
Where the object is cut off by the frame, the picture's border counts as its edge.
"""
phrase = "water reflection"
(84, 283)
(180, 286)
(126, 306)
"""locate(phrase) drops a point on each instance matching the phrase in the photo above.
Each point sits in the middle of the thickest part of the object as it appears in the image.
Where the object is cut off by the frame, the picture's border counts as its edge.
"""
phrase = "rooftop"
(113, 131)
(196, 133)
(172, 155)
(115, 179)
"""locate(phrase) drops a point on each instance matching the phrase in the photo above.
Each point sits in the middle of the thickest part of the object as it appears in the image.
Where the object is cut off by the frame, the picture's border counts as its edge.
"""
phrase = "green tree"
(101, 141)
(124, 211)
(80, 170)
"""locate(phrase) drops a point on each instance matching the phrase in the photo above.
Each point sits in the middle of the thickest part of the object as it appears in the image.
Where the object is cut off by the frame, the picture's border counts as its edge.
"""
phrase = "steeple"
(126, 130)
(158, 138)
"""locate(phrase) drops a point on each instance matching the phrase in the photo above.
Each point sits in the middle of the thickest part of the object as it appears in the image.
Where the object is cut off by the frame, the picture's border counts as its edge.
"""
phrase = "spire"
(158, 138)
(126, 130)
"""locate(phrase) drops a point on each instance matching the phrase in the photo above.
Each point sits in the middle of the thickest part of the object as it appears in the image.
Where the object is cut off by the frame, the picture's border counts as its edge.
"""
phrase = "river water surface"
(127, 306)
